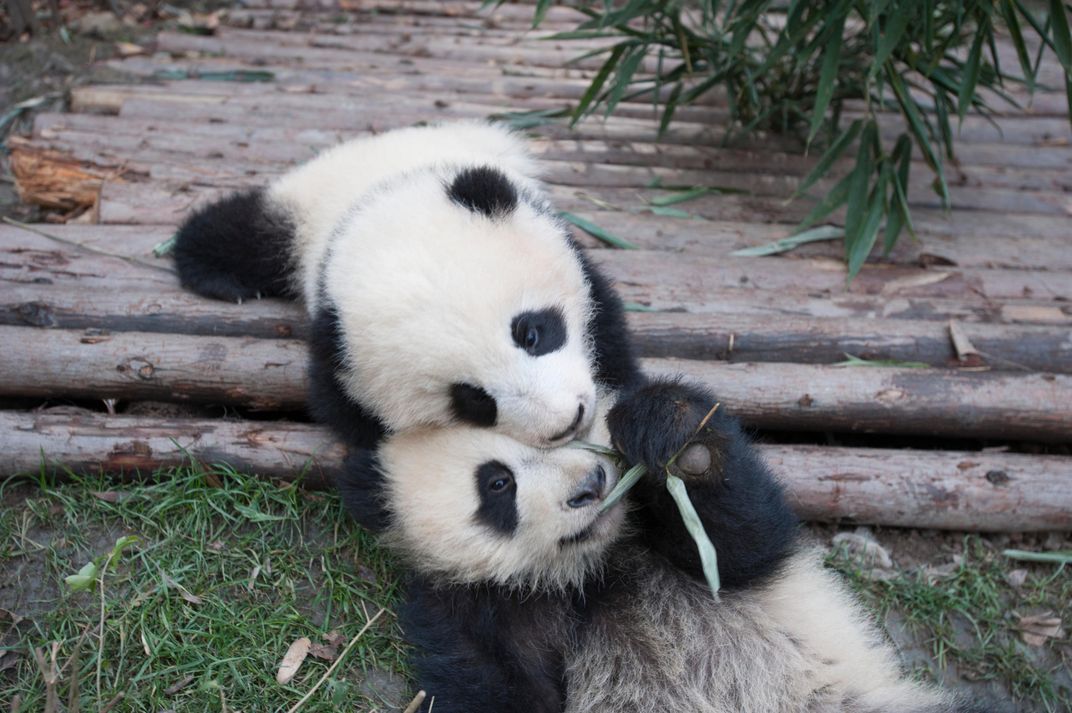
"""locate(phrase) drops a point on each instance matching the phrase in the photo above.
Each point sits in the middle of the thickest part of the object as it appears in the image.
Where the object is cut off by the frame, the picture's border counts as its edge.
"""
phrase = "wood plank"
(941, 489)
(270, 374)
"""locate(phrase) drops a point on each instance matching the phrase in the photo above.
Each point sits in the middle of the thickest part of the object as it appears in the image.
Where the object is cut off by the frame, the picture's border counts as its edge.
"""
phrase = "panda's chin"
(600, 529)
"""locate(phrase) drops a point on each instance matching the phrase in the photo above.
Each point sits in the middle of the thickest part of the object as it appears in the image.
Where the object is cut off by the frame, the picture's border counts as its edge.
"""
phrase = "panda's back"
(317, 195)
(661, 642)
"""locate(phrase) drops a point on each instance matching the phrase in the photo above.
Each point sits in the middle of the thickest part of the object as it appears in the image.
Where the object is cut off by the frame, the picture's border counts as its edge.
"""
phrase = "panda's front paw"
(668, 418)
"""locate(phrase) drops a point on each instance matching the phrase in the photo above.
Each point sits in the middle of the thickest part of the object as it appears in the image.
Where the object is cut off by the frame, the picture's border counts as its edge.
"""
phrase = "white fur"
(426, 289)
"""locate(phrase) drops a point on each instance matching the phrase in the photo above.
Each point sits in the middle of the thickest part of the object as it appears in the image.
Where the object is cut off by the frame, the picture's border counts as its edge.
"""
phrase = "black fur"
(741, 504)
(616, 366)
(361, 488)
(235, 249)
(328, 401)
(484, 190)
(488, 650)
(498, 497)
(539, 333)
(473, 405)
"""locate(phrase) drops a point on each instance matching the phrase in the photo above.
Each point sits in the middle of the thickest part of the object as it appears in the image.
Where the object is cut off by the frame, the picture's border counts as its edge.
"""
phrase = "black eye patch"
(498, 497)
(473, 405)
(539, 333)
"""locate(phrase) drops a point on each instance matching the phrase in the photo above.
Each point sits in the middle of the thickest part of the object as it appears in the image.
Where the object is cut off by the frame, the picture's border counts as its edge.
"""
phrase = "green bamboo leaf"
(580, 35)
(823, 232)
(970, 76)
(597, 84)
(830, 202)
(1012, 22)
(861, 244)
(899, 216)
(860, 182)
(542, 6)
(892, 32)
(671, 106)
(832, 154)
(852, 361)
(1056, 557)
(828, 73)
(1062, 39)
(919, 128)
(708, 558)
(597, 232)
(680, 196)
(623, 77)
(669, 212)
(624, 484)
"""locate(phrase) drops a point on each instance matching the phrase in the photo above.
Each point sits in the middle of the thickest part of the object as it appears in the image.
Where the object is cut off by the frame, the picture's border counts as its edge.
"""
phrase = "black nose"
(590, 490)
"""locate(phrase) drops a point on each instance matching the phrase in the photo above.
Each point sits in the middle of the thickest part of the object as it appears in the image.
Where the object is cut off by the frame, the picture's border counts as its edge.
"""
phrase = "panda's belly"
(664, 644)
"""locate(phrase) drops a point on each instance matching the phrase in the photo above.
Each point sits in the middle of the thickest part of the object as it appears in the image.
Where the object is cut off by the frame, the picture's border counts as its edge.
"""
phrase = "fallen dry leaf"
(930, 277)
(8, 659)
(1016, 578)
(129, 49)
(110, 496)
(326, 652)
(292, 660)
(1037, 628)
(335, 638)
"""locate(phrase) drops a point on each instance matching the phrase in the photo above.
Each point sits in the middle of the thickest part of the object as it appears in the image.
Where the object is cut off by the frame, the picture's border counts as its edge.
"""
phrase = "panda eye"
(539, 333)
(500, 484)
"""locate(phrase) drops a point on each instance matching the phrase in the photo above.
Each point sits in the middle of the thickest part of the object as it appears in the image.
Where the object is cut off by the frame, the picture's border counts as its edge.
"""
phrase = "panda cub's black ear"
(484, 190)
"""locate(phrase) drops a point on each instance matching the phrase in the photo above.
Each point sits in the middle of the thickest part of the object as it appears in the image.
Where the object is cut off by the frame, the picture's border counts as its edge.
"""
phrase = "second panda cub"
(528, 597)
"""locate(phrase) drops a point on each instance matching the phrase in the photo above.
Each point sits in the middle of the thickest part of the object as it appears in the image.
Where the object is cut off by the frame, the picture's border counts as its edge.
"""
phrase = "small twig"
(336, 663)
(83, 246)
(111, 704)
(50, 675)
(73, 702)
(416, 702)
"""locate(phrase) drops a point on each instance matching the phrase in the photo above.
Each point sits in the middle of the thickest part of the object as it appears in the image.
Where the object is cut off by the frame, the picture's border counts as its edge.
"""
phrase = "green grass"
(969, 619)
(182, 607)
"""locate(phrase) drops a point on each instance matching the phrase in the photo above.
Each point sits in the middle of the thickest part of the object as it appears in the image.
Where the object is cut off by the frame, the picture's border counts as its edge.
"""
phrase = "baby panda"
(527, 597)
(441, 286)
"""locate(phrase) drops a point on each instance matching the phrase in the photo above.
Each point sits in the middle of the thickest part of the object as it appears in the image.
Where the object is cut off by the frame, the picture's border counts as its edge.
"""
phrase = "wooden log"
(657, 279)
(883, 400)
(137, 365)
(743, 331)
(974, 491)
(270, 374)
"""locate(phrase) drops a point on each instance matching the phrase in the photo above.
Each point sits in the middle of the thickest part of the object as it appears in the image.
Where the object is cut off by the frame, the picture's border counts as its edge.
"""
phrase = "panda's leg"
(469, 657)
(741, 504)
(236, 248)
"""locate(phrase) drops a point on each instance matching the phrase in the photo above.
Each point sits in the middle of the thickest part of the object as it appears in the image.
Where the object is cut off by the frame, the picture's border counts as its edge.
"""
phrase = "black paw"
(666, 420)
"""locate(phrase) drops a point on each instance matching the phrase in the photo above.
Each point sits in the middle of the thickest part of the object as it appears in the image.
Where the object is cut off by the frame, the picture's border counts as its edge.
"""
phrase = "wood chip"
(292, 660)
(1037, 628)
(921, 280)
(961, 344)
(129, 49)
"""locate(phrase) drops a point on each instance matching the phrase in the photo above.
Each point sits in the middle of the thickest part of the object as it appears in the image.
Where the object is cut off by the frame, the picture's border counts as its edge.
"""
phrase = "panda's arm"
(741, 504)
(468, 659)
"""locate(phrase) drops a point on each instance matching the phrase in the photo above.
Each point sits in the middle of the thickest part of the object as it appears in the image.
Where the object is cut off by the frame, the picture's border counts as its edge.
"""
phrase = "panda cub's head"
(473, 506)
(460, 297)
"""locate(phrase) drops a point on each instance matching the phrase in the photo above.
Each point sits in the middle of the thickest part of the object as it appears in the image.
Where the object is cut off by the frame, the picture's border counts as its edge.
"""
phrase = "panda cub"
(441, 286)
(527, 598)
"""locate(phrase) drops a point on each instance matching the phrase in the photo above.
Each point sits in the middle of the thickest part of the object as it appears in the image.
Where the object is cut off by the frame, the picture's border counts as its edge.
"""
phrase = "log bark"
(937, 489)
(270, 374)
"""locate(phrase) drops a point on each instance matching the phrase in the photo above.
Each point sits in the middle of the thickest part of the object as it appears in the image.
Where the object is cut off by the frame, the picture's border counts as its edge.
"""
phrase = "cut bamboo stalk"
(935, 489)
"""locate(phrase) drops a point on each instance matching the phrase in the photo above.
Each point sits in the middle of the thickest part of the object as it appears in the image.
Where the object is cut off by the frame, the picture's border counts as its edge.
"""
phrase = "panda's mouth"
(579, 537)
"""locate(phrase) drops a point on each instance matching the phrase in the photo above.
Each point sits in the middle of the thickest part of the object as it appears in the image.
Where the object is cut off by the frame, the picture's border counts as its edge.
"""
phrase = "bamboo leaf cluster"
(831, 72)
